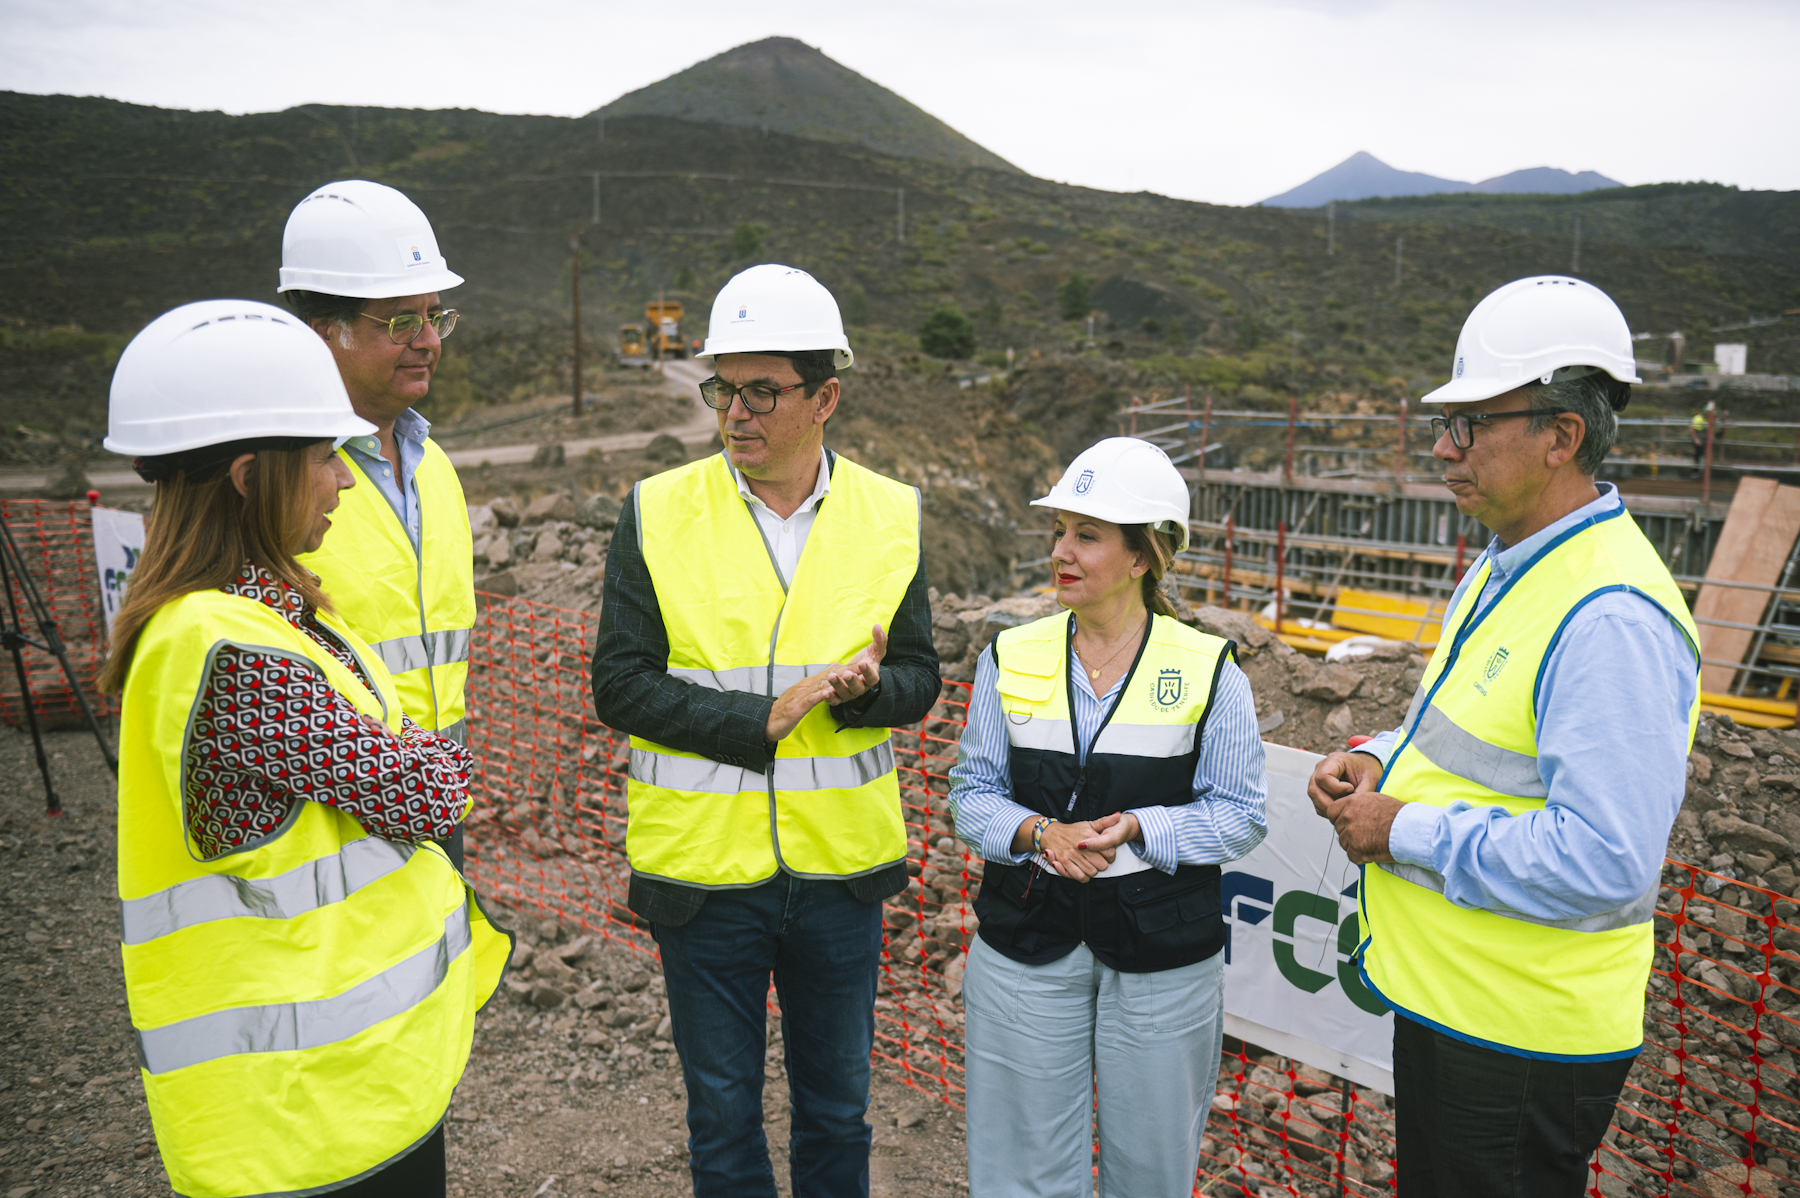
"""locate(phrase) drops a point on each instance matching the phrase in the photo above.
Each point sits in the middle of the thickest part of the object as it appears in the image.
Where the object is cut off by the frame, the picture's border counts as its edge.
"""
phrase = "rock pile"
(552, 549)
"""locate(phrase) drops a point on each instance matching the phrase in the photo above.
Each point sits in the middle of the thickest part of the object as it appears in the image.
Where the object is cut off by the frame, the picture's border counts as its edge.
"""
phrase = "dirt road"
(681, 375)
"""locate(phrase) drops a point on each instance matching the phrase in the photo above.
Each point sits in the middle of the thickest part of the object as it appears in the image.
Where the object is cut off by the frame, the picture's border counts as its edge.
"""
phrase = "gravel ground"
(562, 1102)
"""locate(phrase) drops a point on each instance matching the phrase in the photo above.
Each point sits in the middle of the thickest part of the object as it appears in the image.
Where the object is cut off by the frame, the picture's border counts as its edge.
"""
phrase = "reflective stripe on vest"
(318, 952)
(1557, 988)
(304, 888)
(829, 805)
(295, 1027)
(415, 607)
(405, 653)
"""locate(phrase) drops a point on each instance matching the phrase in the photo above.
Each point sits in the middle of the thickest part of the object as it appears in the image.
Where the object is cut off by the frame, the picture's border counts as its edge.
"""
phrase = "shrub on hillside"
(1074, 298)
(948, 333)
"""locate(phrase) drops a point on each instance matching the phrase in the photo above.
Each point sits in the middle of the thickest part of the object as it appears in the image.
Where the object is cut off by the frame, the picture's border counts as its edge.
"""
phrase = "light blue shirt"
(410, 431)
(1223, 821)
(1612, 743)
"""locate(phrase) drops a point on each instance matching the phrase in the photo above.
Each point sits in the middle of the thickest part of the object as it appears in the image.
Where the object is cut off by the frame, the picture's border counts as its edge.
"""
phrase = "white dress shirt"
(787, 538)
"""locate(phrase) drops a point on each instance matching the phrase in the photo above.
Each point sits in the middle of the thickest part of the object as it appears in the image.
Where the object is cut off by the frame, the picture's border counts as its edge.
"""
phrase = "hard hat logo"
(743, 314)
(1459, 366)
(1084, 483)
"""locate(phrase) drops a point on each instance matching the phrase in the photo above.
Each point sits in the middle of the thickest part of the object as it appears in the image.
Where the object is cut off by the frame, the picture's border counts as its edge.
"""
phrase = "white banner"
(118, 543)
(1291, 915)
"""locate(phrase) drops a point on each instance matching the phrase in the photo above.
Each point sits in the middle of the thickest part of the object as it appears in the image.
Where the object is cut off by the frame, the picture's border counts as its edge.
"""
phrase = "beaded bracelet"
(1037, 834)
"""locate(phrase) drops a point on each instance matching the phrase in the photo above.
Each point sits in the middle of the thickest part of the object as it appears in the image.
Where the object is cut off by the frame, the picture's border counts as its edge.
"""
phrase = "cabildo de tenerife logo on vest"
(1491, 670)
(1169, 690)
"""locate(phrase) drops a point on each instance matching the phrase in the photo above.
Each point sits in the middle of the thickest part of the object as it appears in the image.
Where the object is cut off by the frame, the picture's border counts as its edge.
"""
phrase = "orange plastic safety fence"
(55, 539)
(1712, 1106)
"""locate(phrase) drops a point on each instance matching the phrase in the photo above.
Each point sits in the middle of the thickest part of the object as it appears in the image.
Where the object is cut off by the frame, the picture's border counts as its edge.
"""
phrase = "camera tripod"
(16, 582)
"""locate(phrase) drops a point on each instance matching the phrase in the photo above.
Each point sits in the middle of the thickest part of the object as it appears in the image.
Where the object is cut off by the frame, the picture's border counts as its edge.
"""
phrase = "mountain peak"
(1363, 176)
(785, 85)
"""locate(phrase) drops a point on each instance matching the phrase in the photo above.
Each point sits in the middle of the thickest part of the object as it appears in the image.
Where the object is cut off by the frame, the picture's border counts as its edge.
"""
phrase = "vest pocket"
(1165, 903)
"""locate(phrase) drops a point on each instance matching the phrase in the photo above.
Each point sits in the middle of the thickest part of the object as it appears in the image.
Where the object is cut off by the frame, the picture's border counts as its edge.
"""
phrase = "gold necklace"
(1094, 672)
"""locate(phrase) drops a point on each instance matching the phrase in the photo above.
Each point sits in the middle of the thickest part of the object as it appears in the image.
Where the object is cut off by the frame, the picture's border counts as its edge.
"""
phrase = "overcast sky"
(1227, 103)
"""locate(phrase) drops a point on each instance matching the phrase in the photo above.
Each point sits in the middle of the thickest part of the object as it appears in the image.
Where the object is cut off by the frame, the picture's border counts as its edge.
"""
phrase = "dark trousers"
(1476, 1123)
(823, 948)
(421, 1173)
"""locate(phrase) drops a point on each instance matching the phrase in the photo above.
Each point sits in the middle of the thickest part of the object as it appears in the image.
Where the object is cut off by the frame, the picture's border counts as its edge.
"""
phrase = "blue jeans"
(823, 948)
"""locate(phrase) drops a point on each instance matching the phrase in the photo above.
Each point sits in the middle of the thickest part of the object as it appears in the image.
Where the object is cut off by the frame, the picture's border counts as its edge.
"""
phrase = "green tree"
(948, 333)
(684, 278)
(1075, 297)
(747, 240)
(854, 305)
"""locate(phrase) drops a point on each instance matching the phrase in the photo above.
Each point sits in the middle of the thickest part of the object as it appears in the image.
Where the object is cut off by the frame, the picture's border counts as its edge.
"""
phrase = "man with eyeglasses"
(360, 264)
(765, 624)
(1513, 828)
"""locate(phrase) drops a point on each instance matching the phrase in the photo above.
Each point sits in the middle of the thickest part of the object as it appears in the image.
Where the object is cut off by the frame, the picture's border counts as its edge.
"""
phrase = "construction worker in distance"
(302, 962)
(1512, 829)
(360, 264)
(1697, 434)
(765, 623)
(1110, 764)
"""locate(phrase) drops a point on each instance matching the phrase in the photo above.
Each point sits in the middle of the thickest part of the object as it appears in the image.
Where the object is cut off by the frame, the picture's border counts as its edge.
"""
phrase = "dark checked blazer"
(634, 694)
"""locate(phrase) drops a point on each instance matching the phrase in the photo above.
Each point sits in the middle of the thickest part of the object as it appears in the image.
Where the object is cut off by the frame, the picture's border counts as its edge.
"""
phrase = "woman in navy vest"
(1110, 764)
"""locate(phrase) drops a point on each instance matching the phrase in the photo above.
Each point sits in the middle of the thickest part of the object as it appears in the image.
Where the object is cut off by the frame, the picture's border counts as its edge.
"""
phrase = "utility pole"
(596, 197)
(575, 276)
(900, 215)
(1575, 255)
(1399, 243)
(1331, 227)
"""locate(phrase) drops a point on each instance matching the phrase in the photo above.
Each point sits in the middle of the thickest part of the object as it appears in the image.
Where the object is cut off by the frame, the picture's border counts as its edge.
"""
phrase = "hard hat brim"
(1474, 390)
(168, 436)
(843, 357)
(1112, 515)
(367, 286)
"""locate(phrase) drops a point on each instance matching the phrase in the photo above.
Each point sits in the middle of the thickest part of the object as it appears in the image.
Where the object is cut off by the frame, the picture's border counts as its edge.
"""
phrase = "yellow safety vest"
(1571, 988)
(829, 805)
(303, 1006)
(416, 609)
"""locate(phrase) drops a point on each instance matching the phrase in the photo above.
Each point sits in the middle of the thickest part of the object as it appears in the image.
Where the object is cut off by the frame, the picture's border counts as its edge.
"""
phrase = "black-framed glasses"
(758, 397)
(404, 329)
(1462, 426)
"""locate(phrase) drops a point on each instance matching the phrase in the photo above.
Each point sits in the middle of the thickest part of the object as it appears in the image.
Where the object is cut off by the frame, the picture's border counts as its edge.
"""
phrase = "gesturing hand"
(793, 703)
(861, 674)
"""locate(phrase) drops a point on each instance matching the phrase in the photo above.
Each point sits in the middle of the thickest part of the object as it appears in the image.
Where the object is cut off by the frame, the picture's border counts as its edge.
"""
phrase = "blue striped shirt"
(1224, 820)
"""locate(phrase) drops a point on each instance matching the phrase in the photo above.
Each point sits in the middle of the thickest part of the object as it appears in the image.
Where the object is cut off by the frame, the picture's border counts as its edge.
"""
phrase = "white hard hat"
(1529, 330)
(226, 370)
(1127, 481)
(775, 309)
(362, 240)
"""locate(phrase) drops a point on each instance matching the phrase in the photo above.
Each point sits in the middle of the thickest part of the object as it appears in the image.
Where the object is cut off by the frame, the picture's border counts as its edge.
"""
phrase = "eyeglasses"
(405, 328)
(1462, 427)
(758, 397)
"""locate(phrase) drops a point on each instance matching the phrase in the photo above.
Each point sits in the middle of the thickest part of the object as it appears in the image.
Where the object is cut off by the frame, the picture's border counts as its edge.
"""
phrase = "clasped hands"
(1342, 790)
(1082, 849)
(838, 685)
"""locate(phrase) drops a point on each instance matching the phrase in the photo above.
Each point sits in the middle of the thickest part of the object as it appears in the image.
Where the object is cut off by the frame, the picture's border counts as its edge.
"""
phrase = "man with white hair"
(1513, 828)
